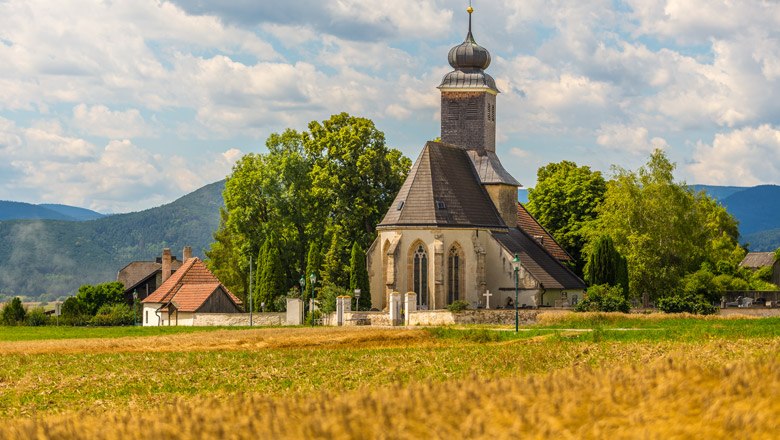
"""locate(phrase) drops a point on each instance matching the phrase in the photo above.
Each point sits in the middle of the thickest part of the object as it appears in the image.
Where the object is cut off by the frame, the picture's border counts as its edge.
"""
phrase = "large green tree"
(564, 201)
(339, 175)
(664, 230)
(605, 265)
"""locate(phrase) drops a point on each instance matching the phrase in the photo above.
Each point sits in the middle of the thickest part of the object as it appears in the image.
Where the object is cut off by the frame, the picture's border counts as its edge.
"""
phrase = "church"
(455, 226)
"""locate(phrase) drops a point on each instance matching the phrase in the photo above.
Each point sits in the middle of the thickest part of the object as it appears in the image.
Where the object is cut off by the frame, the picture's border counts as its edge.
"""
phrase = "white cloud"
(629, 138)
(99, 120)
(741, 157)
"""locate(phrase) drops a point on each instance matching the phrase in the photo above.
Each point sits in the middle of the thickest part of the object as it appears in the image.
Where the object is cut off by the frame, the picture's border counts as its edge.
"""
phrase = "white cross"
(487, 296)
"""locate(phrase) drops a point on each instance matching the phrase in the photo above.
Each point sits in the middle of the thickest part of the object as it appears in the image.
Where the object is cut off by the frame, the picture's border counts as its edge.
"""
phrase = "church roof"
(542, 265)
(489, 168)
(528, 223)
(442, 189)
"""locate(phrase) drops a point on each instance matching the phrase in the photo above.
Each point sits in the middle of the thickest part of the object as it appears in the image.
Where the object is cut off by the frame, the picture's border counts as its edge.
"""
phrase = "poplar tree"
(358, 276)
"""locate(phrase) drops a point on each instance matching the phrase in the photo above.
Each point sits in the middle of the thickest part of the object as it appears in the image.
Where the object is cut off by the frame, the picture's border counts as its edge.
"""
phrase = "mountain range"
(53, 257)
(49, 251)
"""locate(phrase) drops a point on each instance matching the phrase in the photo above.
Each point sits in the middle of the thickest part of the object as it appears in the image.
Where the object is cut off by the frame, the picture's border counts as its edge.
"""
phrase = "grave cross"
(487, 296)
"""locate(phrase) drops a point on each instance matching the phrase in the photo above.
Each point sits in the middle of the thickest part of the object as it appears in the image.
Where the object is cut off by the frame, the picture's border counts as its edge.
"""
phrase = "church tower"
(468, 120)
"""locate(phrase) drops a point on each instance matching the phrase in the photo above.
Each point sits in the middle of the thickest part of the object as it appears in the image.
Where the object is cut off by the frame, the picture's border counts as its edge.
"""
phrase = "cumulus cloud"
(629, 138)
(741, 157)
(99, 120)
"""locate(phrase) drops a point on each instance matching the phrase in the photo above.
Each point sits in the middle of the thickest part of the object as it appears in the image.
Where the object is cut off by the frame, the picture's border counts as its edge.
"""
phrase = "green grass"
(23, 333)
(618, 328)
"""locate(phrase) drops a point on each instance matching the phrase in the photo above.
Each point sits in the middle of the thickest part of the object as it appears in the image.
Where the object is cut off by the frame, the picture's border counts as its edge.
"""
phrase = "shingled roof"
(442, 189)
(489, 168)
(189, 287)
(756, 260)
(543, 266)
(528, 223)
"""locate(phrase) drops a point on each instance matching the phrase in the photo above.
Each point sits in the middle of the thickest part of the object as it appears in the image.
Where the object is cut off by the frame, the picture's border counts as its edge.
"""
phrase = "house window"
(146, 317)
(420, 277)
(454, 274)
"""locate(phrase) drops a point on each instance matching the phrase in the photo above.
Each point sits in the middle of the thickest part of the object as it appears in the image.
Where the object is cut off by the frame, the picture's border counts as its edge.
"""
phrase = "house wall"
(487, 266)
(148, 317)
(208, 319)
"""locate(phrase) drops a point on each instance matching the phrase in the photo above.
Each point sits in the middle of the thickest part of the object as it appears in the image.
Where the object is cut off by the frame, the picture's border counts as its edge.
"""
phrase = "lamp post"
(313, 279)
(135, 307)
(357, 299)
(516, 267)
(302, 283)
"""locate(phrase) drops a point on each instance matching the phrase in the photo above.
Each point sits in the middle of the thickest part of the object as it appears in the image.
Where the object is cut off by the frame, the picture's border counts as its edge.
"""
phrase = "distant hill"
(55, 257)
(78, 214)
(28, 211)
(718, 192)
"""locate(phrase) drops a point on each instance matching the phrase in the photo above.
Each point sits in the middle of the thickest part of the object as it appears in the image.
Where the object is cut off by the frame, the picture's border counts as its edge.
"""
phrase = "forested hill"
(21, 211)
(55, 257)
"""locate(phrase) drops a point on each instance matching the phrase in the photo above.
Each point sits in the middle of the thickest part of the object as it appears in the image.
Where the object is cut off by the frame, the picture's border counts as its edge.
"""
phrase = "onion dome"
(469, 60)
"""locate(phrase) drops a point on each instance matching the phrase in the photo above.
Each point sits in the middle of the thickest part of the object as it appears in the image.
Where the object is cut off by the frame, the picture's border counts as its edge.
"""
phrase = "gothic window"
(420, 276)
(454, 274)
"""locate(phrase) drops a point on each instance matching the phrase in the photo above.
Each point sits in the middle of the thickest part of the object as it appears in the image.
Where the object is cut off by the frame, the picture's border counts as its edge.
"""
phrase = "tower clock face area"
(468, 119)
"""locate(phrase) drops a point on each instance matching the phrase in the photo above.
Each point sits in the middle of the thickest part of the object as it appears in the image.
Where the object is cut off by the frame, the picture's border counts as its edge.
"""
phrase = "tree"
(358, 277)
(339, 175)
(13, 312)
(224, 260)
(606, 266)
(333, 264)
(664, 230)
(258, 273)
(92, 297)
(355, 176)
(272, 280)
(565, 201)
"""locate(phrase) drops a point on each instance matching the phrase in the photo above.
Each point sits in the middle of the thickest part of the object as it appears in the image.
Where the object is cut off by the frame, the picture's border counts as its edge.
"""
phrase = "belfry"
(456, 224)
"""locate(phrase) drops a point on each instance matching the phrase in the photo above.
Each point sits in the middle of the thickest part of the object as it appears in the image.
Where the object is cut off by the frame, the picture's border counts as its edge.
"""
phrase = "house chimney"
(166, 264)
(186, 253)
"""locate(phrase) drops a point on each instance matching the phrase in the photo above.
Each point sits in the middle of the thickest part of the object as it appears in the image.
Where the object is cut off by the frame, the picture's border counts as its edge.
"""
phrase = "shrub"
(113, 315)
(280, 304)
(13, 312)
(458, 306)
(603, 298)
(327, 297)
(36, 317)
(686, 303)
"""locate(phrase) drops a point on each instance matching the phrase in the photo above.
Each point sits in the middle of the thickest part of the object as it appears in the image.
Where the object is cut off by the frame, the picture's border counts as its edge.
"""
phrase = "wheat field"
(707, 379)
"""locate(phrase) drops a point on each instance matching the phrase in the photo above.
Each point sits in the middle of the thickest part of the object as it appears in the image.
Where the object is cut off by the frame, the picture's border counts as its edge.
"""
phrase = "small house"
(191, 290)
(759, 260)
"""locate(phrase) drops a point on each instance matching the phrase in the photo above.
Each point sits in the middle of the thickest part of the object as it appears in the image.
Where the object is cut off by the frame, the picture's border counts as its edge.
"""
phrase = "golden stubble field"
(388, 383)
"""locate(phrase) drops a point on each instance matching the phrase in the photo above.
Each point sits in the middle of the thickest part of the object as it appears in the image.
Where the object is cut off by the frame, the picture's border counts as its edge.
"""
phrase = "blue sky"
(127, 104)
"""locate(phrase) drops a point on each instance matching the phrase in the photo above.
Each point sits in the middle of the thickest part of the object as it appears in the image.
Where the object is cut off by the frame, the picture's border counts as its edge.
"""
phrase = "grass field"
(581, 376)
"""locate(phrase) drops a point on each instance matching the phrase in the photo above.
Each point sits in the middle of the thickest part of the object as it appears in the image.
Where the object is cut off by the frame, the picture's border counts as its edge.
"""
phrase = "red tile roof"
(528, 224)
(187, 286)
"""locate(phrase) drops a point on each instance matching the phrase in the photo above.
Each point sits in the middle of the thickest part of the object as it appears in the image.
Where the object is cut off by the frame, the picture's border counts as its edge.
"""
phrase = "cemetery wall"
(236, 319)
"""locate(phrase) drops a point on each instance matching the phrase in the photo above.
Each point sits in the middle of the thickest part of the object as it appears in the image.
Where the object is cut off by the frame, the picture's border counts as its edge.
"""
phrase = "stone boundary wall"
(499, 317)
(237, 319)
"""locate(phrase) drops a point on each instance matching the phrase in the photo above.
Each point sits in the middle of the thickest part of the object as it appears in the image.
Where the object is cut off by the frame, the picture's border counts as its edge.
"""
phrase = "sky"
(123, 105)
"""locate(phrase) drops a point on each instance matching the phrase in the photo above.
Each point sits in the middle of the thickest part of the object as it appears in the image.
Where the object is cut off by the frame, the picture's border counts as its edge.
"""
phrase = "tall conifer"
(358, 276)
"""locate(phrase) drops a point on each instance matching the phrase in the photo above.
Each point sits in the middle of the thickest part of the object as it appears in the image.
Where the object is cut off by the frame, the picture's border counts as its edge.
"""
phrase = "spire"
(470, 37)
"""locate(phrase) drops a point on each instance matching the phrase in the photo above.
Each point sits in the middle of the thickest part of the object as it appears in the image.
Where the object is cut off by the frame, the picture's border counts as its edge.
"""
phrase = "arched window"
(420, 276)
(454, 274)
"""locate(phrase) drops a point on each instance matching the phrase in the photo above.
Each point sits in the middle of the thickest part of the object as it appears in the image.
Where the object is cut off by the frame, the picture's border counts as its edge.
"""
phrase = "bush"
(458, 306)
(327, 297)
(13, 312)
(313, 316)
(36, 317)
(113, 315)
(603, 298)
(686, 303)
(280, 304)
